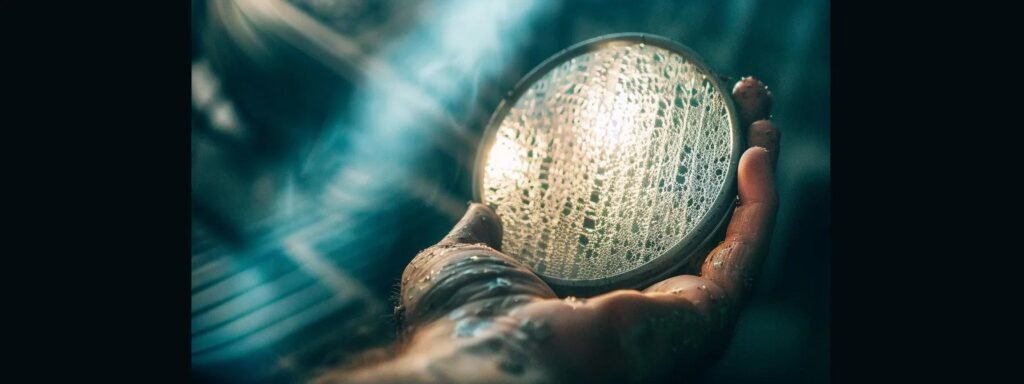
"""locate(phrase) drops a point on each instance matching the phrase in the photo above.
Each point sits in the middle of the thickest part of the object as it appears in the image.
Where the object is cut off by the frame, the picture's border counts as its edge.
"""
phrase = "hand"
(470, 313)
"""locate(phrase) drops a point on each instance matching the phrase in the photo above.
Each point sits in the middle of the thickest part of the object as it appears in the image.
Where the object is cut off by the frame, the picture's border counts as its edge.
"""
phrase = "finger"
(464, 268)
(765, 134)
(479, 225)
(732, 265)
(753, 100)
(762, 133)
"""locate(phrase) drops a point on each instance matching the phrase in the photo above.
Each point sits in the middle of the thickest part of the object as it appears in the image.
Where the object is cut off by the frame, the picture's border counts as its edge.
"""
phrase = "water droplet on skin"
(703, 287)
(470, 327)
(498, 283)
(456, 314)
(574, 301)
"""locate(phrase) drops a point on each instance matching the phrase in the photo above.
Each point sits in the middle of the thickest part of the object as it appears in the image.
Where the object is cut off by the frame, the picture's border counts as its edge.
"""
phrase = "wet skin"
(471, 314)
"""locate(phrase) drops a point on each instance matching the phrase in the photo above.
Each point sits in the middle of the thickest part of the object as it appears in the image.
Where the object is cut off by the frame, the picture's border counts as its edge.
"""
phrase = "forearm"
(391, 371)
(470, 349)
(621, 337)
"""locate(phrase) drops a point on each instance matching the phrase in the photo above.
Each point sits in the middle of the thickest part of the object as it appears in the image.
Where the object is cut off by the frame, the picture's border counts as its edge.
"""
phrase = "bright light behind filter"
(609, 157)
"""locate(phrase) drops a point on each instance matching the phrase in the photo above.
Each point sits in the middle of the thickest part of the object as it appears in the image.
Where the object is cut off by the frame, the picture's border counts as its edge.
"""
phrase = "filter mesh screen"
(607, 161)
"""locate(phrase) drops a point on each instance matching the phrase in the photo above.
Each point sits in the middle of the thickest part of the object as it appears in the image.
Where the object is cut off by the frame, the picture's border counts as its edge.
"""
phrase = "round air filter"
(611, 163)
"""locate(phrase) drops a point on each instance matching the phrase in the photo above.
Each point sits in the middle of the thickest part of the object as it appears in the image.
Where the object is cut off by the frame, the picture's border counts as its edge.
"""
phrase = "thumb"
(479, 225)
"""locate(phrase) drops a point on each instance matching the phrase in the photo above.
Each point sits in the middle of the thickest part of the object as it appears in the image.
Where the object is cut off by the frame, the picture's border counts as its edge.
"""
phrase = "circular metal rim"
(712, 222)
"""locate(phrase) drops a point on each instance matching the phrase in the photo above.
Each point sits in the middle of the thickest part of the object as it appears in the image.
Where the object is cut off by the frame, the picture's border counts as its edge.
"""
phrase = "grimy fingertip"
(753, 100)
(765, 134)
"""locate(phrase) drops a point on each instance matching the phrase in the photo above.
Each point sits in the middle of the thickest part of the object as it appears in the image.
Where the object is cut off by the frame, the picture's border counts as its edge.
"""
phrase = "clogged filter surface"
(607, 161)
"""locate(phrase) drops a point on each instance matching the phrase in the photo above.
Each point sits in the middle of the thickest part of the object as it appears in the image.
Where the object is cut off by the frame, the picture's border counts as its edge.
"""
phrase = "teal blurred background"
(334, 139)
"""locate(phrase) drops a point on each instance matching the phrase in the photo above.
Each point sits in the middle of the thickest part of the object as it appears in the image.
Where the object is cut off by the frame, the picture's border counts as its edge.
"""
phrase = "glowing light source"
(504, 160)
